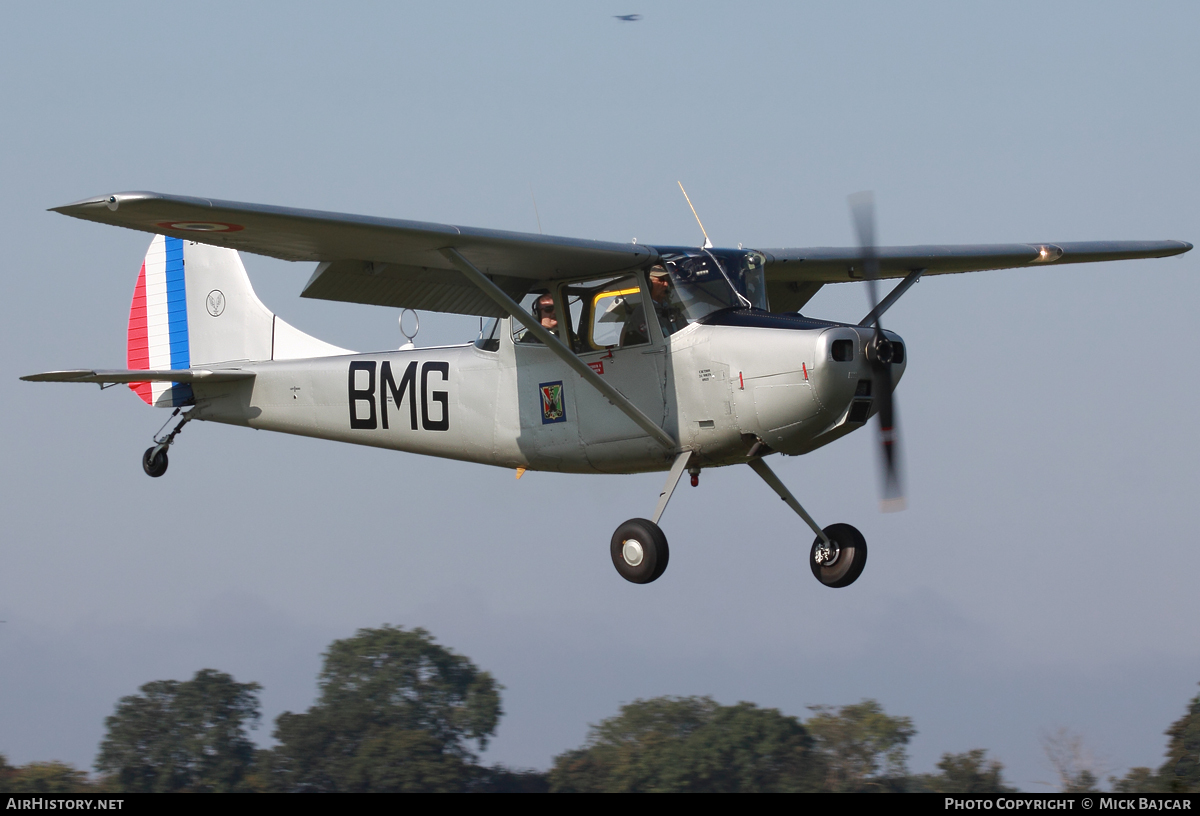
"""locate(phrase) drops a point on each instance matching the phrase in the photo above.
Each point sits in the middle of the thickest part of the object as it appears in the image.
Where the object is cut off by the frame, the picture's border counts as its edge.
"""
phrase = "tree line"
(397, 712)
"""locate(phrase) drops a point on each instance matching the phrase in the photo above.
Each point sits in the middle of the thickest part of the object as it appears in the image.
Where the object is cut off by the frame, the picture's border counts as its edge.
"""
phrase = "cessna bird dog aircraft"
(599, 358)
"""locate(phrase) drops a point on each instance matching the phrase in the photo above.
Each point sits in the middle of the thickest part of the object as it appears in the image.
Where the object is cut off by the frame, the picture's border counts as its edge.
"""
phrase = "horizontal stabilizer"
(125, 375)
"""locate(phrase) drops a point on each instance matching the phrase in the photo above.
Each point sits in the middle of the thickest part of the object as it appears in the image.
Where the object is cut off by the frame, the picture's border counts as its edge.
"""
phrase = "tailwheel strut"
(154, 460)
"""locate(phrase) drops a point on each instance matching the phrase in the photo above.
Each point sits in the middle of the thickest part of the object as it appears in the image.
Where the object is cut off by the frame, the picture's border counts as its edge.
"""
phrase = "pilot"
(632, 312)
(670, 318)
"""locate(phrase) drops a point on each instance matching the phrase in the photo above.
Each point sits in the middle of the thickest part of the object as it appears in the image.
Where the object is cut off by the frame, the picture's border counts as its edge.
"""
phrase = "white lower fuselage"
(718, 390)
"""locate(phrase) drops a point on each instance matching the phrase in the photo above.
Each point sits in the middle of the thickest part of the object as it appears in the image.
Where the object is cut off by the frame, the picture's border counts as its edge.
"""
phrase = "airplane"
(598, 357)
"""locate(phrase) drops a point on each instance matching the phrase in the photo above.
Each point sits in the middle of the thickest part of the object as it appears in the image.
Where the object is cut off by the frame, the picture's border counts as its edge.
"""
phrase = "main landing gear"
(639, 551)
(839, 554)
(639, 548)
(839, 559)
(640, 554)
(154, 460)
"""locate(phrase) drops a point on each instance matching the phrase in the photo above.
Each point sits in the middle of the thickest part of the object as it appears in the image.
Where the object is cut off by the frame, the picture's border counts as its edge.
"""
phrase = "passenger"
(544, 313)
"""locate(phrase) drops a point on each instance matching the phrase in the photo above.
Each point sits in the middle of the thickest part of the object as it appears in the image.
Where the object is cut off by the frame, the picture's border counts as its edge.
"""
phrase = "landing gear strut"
(839, 554)
(154, 460)
(639, 548)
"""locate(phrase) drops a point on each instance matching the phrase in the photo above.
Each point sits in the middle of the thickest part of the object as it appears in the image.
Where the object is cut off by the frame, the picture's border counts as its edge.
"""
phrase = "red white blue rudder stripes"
(158, 322)
(194, 306)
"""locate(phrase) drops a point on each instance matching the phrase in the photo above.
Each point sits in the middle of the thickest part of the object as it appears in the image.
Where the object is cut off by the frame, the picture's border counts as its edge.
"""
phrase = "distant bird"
(627, 18)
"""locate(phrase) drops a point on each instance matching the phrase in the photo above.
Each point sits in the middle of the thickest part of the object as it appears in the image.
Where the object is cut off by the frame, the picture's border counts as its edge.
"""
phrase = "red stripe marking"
(137, 353)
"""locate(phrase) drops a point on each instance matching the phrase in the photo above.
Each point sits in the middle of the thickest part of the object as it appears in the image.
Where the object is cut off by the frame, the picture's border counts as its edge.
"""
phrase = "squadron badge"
(552, 402)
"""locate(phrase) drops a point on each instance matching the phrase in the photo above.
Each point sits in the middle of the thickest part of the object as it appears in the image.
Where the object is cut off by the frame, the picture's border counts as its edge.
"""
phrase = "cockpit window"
(706, 280)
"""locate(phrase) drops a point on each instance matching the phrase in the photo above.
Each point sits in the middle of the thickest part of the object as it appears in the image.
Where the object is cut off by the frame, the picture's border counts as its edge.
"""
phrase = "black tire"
(154, 465)
(850, 558)
(648, 549)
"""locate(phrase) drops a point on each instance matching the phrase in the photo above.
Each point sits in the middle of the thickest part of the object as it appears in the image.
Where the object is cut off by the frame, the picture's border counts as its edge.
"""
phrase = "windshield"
(707, 280)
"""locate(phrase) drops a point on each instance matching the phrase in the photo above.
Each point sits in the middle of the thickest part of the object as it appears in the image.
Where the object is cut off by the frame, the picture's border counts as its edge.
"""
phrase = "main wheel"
(639, 551)
(842, 566)
(154, 464)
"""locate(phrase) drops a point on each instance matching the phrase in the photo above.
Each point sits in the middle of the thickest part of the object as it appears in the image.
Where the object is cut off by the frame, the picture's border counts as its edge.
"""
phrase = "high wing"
(363, 259)
(390, 262)
(795, 275)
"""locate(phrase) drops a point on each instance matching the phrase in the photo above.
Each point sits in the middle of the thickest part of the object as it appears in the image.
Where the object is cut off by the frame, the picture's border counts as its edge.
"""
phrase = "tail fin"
(194, 305)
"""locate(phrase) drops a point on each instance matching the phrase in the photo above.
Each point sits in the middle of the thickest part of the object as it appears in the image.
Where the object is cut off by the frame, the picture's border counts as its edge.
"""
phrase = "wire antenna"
(535, 210)
(707, 243)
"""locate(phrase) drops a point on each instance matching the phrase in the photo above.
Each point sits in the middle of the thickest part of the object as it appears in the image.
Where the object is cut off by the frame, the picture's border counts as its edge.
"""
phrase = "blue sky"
(1045, 573)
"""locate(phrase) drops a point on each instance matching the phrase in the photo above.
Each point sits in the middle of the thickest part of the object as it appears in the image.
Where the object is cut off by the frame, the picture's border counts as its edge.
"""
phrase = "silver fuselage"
(717, 390)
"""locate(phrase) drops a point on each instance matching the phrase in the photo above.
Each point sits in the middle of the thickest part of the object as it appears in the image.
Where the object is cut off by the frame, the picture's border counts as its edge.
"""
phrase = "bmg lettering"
(366, 416)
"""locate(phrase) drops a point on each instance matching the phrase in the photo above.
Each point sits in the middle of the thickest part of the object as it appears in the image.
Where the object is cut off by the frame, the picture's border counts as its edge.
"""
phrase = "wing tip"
(59, 376)
(112, 202)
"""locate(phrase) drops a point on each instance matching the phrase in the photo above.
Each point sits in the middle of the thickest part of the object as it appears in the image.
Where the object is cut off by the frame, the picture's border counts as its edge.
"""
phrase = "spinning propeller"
(880, 353)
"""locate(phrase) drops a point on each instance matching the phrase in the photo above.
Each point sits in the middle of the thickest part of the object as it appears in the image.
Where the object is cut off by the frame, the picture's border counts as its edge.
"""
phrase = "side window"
(607, 313)
(489, 335)
(619, 316)
(544, 310)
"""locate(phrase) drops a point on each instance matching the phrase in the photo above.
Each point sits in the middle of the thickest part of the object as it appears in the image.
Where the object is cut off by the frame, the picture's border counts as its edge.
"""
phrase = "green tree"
(44, 777)
(182, 736)
(691, 744)
(396, 712)
(1181, 772)
(964, 773)
(499, 779)
(862, 747)
(1138, 780)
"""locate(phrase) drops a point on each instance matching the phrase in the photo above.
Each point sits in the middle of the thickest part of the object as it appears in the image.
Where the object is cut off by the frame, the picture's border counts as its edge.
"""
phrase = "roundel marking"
(215, 302)
(200, 226)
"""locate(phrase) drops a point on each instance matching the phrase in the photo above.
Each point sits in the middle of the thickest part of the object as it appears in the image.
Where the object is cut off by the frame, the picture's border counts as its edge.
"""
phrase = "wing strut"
(891, 298)
(558, 347)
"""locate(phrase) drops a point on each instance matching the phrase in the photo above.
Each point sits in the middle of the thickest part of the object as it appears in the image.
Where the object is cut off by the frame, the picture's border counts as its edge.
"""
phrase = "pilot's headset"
(538, 306)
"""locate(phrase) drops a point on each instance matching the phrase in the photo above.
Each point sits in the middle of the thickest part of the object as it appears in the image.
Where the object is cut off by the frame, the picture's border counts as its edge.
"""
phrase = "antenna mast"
(707, 243)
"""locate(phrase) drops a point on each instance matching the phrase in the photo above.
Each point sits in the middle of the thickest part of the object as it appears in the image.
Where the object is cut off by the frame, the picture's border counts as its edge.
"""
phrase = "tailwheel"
(154, 461)
(639, 551)
(841, 562)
